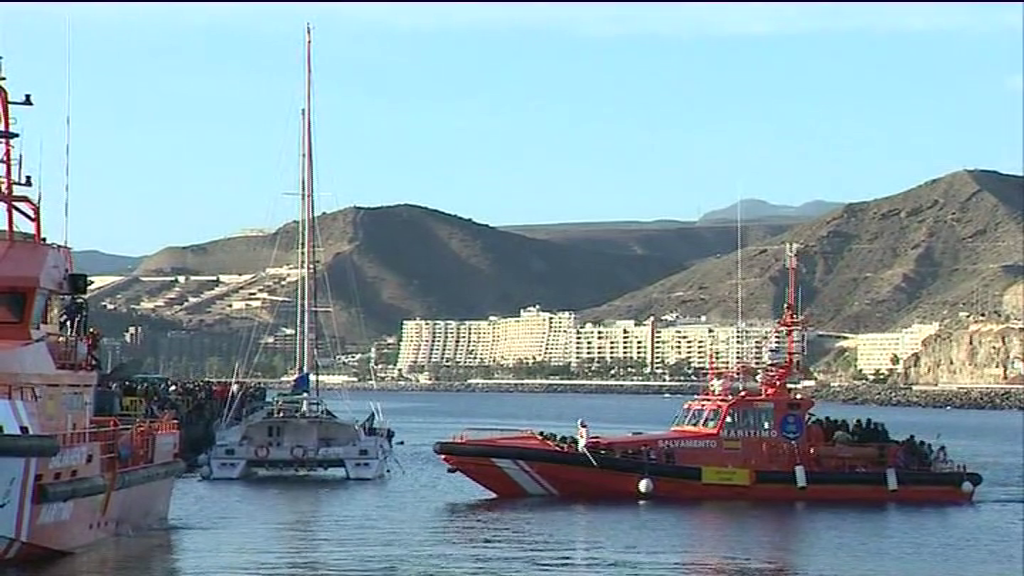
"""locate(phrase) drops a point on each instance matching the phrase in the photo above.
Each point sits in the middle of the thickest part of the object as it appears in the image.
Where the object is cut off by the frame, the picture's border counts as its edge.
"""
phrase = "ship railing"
(122, 446)
(19, 392)
(480, 433)
(107, 428)
(70, 352)
(132, 407)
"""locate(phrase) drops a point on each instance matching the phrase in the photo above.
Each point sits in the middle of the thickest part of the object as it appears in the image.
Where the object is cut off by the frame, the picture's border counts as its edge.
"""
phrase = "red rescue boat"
(68, 478)
(743, 439)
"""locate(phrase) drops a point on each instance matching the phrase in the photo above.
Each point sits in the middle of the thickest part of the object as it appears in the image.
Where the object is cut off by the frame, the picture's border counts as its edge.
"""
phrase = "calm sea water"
(423, 521)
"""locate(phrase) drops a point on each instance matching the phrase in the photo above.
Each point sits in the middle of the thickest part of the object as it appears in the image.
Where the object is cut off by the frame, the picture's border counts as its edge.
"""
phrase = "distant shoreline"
(507, 386)
(869, 394)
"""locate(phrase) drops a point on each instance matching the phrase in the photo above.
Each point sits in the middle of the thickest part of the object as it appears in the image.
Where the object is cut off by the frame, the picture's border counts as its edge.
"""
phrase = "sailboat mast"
(300, 250)
(740, 356)
(310, 231)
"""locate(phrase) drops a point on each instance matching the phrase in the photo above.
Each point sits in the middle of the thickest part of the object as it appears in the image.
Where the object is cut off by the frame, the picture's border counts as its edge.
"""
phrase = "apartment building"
(445, 342)
(883, 351)
(705, 345)
(616, 341)
(533, 336)
(554, 337)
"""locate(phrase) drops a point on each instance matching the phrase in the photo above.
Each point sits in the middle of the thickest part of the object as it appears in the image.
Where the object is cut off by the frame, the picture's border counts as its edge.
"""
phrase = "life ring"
(299, 452)
(262, 452)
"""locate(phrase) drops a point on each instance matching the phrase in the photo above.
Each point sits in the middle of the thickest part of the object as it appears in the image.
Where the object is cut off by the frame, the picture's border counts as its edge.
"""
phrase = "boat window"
(679, 418)
(40, 308)
(713, 416)
(749, 421)
(12, 307)
(763, 417)
(735, 419)
(694, 416)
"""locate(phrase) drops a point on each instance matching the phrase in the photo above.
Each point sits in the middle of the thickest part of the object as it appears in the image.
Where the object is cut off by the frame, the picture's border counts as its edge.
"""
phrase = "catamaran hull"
(514, 472)
(59, 528)
(240, 469)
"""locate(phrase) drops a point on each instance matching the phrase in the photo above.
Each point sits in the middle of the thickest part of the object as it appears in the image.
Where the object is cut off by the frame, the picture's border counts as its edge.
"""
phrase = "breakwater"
(867, 394)
(883, 395)
(534, 386)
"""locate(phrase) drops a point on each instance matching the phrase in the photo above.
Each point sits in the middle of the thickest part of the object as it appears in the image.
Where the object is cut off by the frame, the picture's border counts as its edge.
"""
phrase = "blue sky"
(184, 119)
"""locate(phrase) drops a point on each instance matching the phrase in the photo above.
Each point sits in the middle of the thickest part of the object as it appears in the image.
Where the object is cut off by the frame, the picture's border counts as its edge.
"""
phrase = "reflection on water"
(425, 522)
(586, 538)
(148, 553)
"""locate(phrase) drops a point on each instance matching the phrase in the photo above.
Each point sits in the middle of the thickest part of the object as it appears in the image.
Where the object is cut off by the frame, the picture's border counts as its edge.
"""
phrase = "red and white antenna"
(16, 204)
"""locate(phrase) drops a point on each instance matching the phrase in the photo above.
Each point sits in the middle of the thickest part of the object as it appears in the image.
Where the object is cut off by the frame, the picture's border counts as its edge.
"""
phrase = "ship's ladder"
(111, 458)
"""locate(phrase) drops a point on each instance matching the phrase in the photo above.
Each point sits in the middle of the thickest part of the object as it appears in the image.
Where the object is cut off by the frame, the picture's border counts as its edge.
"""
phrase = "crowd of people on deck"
(196, 404)
(842, 433)
(912, 453)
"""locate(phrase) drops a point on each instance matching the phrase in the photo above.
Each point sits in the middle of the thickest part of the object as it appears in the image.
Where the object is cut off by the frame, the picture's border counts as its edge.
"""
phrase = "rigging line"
(67, 132)
(360, 320)
(356, 300)
(309, 300)
(266, 323)
(301, 329)
(257, 346)
(39, 179)
(318, 238)
(333, 343)
(245, 345)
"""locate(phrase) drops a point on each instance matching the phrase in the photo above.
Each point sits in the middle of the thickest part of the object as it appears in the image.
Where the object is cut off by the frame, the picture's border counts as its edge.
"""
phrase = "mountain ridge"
(920, 254)
(388, 263)
(755, 209)
(868, 266)
(97, 262)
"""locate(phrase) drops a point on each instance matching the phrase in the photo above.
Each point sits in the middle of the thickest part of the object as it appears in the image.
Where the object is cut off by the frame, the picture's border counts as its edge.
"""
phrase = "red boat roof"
(27, 264)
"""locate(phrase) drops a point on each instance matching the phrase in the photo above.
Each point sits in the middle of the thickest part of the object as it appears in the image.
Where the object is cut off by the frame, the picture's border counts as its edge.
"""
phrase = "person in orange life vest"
(815, 434)
(92, 346)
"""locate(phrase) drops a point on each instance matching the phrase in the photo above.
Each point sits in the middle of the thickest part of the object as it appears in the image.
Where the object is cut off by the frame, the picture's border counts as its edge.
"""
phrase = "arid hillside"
(945, 246)
(682, 244)
(395, 262)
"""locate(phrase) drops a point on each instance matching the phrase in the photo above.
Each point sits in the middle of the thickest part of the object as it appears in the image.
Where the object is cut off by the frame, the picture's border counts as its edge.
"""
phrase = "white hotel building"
(555, 338)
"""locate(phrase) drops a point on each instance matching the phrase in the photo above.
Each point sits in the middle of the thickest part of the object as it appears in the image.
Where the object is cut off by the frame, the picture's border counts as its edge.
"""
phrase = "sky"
(185, 118)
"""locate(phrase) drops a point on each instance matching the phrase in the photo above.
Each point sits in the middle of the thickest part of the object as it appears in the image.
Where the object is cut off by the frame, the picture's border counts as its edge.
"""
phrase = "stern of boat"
(372, 461)
(225, 462)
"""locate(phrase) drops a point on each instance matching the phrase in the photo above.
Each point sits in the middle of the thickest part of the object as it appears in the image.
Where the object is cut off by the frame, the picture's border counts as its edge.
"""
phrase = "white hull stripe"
(524, 480)
(7, 420)
(536, 477)
(15, 418)
(26, 504)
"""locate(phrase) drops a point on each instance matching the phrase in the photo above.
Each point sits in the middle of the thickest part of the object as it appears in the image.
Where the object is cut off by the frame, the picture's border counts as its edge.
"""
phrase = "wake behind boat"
(296, 432)
(743, 440)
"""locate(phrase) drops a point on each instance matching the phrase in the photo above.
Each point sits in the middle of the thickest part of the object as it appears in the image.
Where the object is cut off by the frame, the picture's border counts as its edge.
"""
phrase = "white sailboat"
(295, 432)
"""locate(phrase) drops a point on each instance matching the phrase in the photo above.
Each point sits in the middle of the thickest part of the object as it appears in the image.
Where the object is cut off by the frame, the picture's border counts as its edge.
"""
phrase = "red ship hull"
(516, 470)
(69, 476)
(130, 510)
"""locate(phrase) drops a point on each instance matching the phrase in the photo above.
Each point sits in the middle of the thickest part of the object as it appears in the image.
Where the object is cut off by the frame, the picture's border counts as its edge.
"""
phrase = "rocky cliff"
(986, 353)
